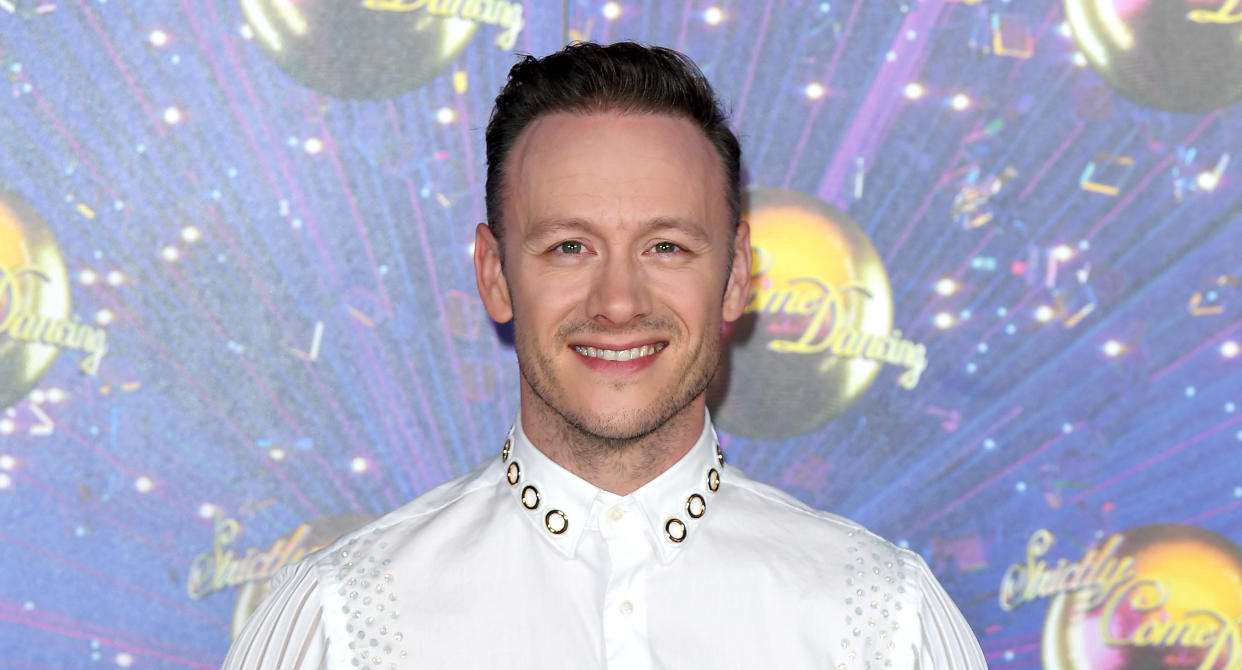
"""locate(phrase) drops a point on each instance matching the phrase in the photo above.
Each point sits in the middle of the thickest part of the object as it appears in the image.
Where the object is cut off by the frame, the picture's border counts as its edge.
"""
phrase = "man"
(608, 532)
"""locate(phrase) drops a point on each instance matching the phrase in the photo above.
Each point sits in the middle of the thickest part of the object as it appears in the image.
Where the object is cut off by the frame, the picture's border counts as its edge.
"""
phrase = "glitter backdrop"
(293, 334)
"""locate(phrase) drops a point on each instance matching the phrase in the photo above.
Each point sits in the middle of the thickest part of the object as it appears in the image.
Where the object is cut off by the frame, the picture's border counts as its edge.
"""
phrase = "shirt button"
(627, 608)
(616, 513)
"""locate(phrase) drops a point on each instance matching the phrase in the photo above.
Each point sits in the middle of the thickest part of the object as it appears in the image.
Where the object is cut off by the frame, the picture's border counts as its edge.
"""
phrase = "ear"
(737, 288)
(490, 277)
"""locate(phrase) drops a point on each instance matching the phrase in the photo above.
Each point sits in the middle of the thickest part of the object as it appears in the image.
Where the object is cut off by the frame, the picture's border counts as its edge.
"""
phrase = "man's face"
(617, 268)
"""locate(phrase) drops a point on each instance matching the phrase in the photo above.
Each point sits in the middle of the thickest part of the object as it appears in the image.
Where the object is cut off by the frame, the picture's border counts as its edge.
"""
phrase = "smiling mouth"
(620, 355)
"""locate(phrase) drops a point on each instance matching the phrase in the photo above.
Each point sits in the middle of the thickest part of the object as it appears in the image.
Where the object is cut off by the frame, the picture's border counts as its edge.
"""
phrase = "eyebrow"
(692, 229)
(551, 227)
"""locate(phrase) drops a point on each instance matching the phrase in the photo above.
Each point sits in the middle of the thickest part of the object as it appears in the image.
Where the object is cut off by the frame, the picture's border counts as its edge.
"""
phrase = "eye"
(568, 247)
(665, 248)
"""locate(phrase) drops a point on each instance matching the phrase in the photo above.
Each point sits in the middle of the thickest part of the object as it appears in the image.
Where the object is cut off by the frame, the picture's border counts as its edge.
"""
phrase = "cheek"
(694, 300)
(545, 303)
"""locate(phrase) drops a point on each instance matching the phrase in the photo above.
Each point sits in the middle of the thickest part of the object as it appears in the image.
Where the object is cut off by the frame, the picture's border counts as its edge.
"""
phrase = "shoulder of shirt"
(439, 498)
(829, 553)
(840, 560)
(815, 527)
(776, 501)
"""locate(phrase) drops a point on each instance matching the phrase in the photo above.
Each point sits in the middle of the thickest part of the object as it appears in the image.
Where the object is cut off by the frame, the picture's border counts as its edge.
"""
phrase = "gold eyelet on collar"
(514, 473)
(713, 480)
(504, 453)
(556, 522)
(719, 455)
(695, 506)
(530, 497)
(675, 530)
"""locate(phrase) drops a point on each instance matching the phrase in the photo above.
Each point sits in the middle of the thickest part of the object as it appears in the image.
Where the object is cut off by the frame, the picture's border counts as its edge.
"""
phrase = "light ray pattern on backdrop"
(263, 327)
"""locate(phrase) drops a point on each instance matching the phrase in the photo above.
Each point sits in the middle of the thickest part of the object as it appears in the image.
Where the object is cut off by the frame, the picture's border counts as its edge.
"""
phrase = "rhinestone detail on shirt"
(873, 582)
(371, 608)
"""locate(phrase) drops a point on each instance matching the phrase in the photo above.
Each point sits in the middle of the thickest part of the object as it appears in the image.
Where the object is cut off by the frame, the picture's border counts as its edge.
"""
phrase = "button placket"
(632, 554)
(617, 521)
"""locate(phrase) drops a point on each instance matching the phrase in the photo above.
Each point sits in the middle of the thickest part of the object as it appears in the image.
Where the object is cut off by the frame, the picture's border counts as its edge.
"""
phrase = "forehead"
(614, 167)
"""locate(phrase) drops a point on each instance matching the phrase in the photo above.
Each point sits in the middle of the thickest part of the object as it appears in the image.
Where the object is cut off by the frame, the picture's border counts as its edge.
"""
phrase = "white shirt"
(521, 564)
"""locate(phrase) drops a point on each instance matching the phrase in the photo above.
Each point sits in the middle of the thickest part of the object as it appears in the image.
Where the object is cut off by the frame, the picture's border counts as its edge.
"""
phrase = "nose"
(619, 292)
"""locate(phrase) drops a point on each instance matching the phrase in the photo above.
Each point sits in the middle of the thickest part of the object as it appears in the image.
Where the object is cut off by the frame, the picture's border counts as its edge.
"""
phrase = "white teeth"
(621, 355)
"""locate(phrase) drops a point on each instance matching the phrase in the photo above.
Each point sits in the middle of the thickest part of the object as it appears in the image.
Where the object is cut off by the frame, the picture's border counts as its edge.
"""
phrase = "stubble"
(599, 439)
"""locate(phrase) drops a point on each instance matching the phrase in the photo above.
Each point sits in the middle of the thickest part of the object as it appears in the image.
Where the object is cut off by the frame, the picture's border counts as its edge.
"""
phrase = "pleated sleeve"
(947, 641)
(286, 632)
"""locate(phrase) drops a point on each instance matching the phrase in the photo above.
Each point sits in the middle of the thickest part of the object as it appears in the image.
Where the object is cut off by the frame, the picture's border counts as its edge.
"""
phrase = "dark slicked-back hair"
(623, 77)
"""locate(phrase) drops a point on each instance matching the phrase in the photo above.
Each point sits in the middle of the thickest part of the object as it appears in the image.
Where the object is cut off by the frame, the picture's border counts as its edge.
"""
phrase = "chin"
(622, 424)
(611, 409)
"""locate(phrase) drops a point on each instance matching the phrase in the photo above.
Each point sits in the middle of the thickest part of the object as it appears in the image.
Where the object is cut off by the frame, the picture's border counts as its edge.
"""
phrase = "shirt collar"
(560, 504)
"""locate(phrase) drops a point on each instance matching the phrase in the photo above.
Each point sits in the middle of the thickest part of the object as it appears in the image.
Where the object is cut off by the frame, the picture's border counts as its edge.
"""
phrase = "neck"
(617, 465)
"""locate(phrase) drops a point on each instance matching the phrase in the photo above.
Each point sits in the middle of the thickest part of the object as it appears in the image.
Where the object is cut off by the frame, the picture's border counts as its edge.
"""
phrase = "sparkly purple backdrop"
(293, 329)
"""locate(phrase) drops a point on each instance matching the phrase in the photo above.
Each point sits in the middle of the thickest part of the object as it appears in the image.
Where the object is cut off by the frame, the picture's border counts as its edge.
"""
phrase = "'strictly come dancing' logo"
(819, 325)
(376, 49)
(251, 572)
(35, 320)
(500, 13)
(1174, 55)
(1159, 596)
